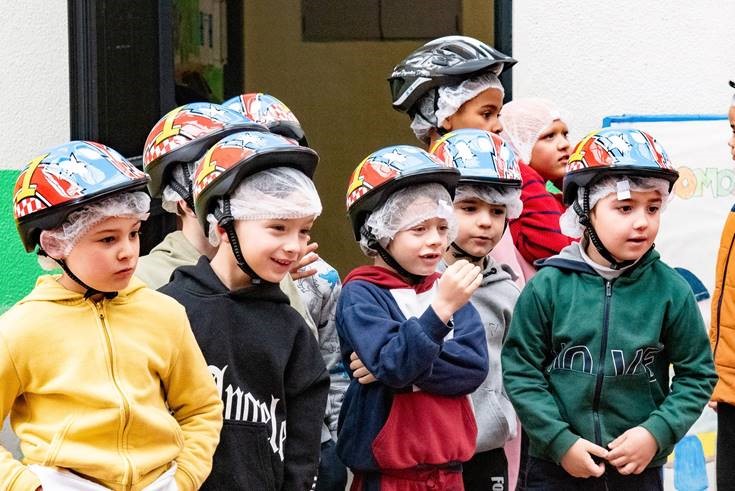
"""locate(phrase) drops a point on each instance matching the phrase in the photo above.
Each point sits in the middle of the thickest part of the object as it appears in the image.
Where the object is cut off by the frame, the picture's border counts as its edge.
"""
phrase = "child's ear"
(223, 238)
(51, 245)
(184, 207)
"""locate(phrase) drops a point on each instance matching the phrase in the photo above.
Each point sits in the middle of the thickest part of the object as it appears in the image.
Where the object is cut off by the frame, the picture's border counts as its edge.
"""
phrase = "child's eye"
(135, 234)
(498, 211)
(419, 228)
(107, 240)
(443, 228)
(278, 227)
(625, 209)
(653, 209)
(306, 232)
(469, 209)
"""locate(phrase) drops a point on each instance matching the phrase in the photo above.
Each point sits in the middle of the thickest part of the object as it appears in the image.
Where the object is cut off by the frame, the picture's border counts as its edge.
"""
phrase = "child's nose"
(434, 236)
(128, 249)
(484, 219)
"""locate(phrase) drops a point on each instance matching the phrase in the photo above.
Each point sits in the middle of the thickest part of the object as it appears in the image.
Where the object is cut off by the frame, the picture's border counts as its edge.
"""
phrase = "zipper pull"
(608, 289)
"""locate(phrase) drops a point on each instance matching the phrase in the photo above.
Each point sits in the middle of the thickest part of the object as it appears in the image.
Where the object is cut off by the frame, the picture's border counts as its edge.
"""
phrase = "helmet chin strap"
(89, 291)
(460, 253)
(584, 219)
(373, 243)
(227, 222)
(184, 190)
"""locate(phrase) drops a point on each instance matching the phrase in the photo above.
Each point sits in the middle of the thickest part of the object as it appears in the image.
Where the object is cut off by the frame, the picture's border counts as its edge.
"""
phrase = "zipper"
(601, 363)
(128, 476)
(722, 295)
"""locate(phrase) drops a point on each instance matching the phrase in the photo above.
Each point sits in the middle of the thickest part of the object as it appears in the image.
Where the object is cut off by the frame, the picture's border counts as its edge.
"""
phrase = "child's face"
(106, 256)
(481, 225)
(626, 228)
(419, 249)
(273, 247)
(480, 112)
(731, 142)
(550, 153)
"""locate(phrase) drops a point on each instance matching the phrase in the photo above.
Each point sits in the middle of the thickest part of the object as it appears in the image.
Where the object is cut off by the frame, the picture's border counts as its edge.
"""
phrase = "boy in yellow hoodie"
(102, 377)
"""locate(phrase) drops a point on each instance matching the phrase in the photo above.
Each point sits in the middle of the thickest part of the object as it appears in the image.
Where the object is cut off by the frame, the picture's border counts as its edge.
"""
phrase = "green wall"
(19, 269)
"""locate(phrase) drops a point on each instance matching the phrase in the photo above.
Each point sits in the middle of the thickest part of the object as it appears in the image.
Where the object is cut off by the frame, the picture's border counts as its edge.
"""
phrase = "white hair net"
(524, 120)
(59, 242)
(405, 209)
(569, 220)
(278, 193)
(451, 98)
(170, 198)
(509, 197)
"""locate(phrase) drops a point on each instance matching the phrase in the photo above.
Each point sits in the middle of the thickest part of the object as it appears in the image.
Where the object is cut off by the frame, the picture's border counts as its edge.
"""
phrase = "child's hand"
(713, 405)
(456, 286)
(578, 459)
(359, 371)
(632, 451)
(299, 271)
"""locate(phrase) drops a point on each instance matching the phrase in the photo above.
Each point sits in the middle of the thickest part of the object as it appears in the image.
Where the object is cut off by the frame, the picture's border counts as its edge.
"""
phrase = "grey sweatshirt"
(494, 300)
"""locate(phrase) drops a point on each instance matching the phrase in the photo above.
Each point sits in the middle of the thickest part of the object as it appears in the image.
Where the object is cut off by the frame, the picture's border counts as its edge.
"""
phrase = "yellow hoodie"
(114, 391)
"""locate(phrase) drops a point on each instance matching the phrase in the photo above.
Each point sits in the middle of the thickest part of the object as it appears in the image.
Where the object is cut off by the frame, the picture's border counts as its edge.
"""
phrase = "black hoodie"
(270, 376)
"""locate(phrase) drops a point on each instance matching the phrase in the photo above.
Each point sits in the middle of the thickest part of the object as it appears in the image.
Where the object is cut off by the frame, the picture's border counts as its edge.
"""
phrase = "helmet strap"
(584, 219)
(89, 291)
(227, 222)
(373, 243)
(184, 190)
(460, 253)
(429, 119)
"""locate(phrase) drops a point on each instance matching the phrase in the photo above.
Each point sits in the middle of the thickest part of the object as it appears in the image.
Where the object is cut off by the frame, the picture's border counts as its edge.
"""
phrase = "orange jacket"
(722, 329)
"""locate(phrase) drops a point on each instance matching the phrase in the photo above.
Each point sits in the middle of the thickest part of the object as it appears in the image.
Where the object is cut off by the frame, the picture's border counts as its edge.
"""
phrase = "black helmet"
(444, 61)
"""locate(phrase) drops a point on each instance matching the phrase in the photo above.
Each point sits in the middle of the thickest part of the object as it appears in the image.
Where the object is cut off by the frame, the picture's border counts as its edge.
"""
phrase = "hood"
(388, 279)
(48, 289)
(177, 247)
(201, 280)
(570, 259)
(495, 271)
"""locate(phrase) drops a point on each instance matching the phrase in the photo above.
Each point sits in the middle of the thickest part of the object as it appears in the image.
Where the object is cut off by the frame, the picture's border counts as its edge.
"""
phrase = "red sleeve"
(536, 232)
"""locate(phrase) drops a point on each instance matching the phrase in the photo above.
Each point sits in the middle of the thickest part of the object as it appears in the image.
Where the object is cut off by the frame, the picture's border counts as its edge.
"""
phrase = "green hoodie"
(587, 357)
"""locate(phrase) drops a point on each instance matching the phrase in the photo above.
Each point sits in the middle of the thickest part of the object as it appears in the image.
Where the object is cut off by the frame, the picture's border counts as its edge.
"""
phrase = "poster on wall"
(705, 192)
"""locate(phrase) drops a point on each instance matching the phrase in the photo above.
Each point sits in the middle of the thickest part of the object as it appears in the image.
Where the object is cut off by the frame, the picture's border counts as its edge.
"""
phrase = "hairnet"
(170, 198)
(405, 209)
(494, 195)
(278, 193)
(524, 120)
(451, 98)
(569, 220)
(59, 242)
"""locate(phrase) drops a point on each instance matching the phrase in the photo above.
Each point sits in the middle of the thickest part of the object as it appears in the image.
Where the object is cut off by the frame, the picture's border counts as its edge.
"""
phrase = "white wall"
(34, 83)
(624, 56)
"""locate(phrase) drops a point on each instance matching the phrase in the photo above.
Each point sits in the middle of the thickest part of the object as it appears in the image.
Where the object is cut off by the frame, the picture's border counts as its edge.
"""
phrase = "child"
(418, 337)
(448, 84)
(723, 303)
(488, 195)
(102, 377)
(319, 287)
(253, 194)
(171, 151)
(535, 130)
(538, 135)
(594, 332)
